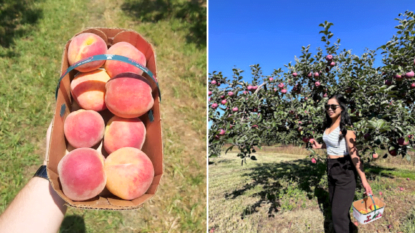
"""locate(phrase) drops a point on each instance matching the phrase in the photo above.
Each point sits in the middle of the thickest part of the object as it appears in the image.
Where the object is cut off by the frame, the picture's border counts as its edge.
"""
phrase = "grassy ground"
(283, 192)
(30, 66)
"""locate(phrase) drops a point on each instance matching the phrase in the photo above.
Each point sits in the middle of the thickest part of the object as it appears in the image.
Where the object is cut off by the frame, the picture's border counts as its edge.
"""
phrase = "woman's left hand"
(367, 188)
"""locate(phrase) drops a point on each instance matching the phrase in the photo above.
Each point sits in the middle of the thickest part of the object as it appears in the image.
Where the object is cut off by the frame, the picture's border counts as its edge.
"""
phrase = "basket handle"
(370, 195)
(108, 57)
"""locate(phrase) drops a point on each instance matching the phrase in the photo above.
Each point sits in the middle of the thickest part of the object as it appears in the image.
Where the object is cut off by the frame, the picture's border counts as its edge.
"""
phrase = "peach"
(82, 174)
(88, 89)
(128, 50)
(83, 46)
(122, 132)
(128, 95)
(84, 128)
(129, 173)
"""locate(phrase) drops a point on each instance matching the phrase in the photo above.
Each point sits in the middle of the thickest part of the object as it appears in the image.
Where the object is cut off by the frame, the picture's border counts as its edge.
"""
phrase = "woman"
(341, 153)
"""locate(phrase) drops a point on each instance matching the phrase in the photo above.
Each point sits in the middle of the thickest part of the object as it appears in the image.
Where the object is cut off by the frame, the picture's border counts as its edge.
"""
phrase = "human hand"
(315, 145)
(367, 188)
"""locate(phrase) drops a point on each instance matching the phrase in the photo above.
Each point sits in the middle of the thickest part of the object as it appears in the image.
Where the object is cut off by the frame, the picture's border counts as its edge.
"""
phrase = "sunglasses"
(332, 106)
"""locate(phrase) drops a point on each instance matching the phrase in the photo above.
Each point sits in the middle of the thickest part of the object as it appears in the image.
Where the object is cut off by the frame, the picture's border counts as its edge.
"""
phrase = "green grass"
(30, 70)
(282, 192)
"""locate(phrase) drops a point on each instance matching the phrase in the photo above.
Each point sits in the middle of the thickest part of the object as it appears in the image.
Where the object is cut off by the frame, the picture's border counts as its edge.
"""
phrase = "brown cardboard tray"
(153, 146)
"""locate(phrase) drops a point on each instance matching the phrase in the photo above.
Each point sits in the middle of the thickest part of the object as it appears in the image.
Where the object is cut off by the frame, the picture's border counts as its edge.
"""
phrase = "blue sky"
(270, 33)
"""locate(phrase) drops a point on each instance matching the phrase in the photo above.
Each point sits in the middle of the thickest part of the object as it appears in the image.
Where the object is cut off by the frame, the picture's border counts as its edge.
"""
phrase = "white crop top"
(334, 147)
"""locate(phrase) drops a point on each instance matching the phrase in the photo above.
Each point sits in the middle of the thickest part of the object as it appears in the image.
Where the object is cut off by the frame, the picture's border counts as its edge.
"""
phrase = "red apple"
(222, 132)
(317, 84)
(393, 152)
(283, 91)
(295, 74)
(214, 105)
(235, 109)
(410, 74)
(316, 74)
(281, 85)
(401, 141)
(230, 93)
(375, 155)
(388, 82)
(223, 101)
(329, 57)
(213, 82)
(310, 74)
(313, 160)
(271, 79)
(332, 63)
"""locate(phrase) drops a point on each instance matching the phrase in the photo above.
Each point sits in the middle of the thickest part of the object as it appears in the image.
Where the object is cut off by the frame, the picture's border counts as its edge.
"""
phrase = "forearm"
(359, 167)
(36, 208)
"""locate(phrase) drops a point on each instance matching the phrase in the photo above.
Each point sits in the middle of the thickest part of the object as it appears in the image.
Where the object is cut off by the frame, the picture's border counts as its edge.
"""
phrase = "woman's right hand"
(315, 145)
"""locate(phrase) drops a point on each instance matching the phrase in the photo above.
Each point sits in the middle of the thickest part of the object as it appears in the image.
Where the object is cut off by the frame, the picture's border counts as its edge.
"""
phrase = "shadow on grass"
(193, 12)
(16, 19)
(73, 224)
(311, 178)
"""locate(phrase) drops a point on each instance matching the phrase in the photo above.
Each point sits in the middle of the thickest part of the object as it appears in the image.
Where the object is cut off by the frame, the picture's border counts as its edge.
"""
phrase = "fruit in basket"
(81, 174)
(129, 172)
(363, 211)
(84, 128)
(372, 207)
(127, 50)
(88, 89)
(128, 95)
(83, 46)
(122, 132)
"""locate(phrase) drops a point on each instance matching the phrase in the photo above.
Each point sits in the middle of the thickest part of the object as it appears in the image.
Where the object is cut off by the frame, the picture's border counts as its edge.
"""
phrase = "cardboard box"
(364, 204)
(153, 147)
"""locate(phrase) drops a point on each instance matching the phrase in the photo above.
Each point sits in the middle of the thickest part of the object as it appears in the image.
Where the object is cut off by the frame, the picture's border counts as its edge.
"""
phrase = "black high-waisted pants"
(341, 175)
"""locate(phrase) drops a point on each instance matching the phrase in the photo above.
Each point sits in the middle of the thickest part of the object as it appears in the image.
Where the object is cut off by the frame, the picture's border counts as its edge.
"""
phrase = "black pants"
(341, 175)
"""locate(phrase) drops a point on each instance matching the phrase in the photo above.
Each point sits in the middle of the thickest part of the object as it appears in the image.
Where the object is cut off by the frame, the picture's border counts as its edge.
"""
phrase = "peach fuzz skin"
(82, 174)
(84, 128)
(129, 173)
(122, 132)
(125, 49)
(83, 46)
(88, 89)
(128, 95)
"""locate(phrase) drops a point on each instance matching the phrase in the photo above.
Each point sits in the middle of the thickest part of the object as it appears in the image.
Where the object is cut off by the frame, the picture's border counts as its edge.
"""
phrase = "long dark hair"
(344, 117)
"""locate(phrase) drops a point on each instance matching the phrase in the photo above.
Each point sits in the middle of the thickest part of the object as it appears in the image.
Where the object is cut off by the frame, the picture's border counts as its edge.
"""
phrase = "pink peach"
(129, 173)
(127, 50)
(84, 128)
(128, 96)
(83, 46)
(81, 174)
(121, 132)
(88, 89)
